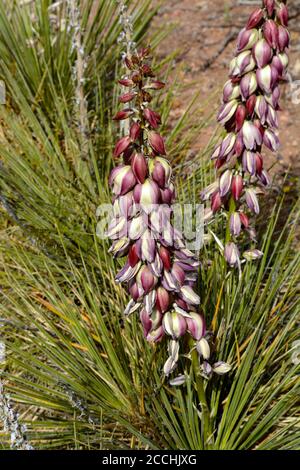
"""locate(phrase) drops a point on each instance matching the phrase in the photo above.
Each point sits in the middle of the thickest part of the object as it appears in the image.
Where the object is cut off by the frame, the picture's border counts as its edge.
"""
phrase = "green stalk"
(201, 397)
(232, 207)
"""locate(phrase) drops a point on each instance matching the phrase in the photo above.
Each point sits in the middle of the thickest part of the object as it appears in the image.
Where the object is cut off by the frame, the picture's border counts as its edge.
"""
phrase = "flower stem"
(201, 397)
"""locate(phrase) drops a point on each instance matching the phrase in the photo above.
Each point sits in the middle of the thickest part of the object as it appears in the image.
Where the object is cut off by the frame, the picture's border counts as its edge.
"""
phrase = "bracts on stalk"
(249, 116)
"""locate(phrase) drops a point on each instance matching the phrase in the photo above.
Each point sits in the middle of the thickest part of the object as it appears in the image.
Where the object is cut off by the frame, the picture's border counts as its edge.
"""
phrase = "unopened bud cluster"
(249, 116)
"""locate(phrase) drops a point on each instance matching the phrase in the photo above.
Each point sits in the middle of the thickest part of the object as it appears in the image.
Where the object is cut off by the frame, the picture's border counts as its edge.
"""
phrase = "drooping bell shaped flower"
(249, 114)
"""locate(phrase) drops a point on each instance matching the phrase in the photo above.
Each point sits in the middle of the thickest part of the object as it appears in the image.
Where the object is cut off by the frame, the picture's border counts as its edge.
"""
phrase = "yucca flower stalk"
(160, 271)
(249, 115)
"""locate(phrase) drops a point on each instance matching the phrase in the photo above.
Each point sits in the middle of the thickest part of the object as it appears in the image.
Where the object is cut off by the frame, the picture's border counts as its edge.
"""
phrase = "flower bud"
(135, 131)
(237, 187)
(250, 104)
(267, 78)
(271, 140)
(165, 256)
(262, 53)
(139, 167)
(196, 325)
(160, 171)
(157, 143)
(270, 5)
(244, 220)
(124, 114)
(162, 300)
(174, 324)
(248, 85)
(232, 254)
(189, 295)
(126, 97)
(271, 33)
(251, 135)
(146, 279)
(227, 111)
(243, 63)
(203, 348)
(126, 82)
(216, 202)
(255, 18)
(146, 194)
(155, 85)
(261, 108)
(249, 162)
(283, 14)
(225, 182)
(146, 247)
(272, 118)
(230, 91)
(252, 201)
(133, 257)
(152, 117)
(240, 116)
(283, 38)
(246, 39)
(122, 179)
(235, 224)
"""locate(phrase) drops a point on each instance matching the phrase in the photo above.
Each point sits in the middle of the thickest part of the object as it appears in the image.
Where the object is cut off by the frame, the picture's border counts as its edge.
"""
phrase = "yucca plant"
(78, 373)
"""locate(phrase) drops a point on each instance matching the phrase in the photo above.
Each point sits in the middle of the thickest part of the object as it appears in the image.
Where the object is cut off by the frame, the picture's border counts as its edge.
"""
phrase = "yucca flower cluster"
(249, 115)
(160, 271)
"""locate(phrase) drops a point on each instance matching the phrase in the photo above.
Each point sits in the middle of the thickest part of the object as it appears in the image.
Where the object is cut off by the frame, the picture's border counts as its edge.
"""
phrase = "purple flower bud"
(139, 167)
(160, 171)
(232, 254)
(124, 114)
(146, 194)
(127, 273)
(235, 224)
(117, 228)
(249, 162)
(243, 63)
(137, 226)
(216, 202)
(267, 77)
(283, 38)
(135, 131)
(240, 117)
(174, 324)
(189, 295)
(221, 368)
(273, 99)
(196, 325)
(251, 135)
(146, 321)
(121, 146)
(246, 39)
(146, 279)
(146, 247)
(162, 299)
(225, 182)
(237, 187)
(255, 18)
(262, 53)
(157, 143)
(180, 380)
(261, 108)
(248, 85)
(209, 190)
(271, 33)
(272, 118)
(270, 5)
(119, 247)
(271, 140)
(252, 201)
(167, 195)
(230, 91)
(283, 14)
(122, 179)
(156, 335)
(264, 178)
(152, 117)
(227, 111)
